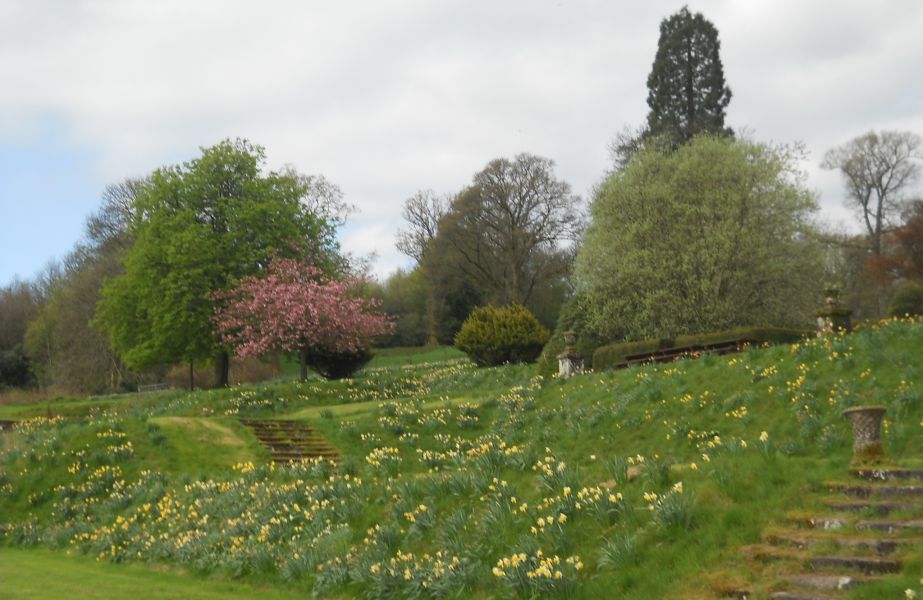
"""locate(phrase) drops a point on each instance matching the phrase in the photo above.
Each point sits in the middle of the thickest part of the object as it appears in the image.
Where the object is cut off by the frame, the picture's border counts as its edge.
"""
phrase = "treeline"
(693, 229)
(137, 298)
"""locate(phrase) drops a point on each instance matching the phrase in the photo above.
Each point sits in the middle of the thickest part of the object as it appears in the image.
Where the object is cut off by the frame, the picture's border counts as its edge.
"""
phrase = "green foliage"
(907, 301)
(403, 296)
(687, 94)
(712, 236)
(200, 228)
(494, 336)
(611, 355)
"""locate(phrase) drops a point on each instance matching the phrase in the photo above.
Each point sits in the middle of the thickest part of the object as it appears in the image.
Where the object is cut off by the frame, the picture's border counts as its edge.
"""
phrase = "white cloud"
(388, 98)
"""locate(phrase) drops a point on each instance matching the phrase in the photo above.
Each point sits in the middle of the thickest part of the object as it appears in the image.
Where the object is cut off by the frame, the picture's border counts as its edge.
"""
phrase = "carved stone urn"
(866, 431)
(570, 362)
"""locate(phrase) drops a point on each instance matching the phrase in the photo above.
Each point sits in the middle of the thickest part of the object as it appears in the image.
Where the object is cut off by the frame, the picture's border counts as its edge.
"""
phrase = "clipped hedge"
(493, 336)
(612, 355)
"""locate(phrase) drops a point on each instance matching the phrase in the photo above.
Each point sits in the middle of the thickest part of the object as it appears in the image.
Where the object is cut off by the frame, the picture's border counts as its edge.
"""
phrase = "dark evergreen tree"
(687, 94)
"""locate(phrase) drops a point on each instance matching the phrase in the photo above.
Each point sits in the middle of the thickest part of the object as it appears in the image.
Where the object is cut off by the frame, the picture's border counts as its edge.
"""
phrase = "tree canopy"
(199, 228)
(879, 169)
(713, 235)
(293, 308)
(687, 94)
(509, 227)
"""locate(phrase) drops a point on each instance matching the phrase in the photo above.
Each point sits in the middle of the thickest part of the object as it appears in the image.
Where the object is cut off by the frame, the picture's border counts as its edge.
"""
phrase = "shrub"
(338, 365)
(907, 301)
(508, 334)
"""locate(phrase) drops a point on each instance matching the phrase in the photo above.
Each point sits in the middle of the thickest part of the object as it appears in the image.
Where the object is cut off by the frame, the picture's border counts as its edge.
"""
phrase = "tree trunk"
(222, 369)
(191, 375)
(432, 336)
(303, 356)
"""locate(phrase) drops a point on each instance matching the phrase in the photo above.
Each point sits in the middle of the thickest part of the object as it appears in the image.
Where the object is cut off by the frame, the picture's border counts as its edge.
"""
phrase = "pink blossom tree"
(292, 308)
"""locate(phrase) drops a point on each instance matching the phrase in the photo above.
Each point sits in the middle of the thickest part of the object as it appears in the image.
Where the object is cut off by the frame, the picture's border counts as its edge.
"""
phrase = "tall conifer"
(687, 93)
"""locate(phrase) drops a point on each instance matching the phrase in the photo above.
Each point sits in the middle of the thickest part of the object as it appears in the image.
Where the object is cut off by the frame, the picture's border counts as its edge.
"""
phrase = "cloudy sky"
(386, 98)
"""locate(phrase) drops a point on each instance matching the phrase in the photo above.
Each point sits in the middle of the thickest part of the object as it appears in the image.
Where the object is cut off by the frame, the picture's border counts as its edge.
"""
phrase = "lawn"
(34, 574)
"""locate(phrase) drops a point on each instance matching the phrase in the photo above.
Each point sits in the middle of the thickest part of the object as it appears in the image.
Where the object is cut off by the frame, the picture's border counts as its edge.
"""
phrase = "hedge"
(612, 355)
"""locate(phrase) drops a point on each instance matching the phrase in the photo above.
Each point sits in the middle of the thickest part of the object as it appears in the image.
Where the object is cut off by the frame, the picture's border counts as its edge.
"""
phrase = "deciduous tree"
(510, 228)
(880, 170)
(422, 213)
(292, 307)
(713, 235)
(200, 228)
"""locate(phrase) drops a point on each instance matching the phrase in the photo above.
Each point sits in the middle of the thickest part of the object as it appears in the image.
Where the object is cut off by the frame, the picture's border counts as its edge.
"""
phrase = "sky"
(388, 98)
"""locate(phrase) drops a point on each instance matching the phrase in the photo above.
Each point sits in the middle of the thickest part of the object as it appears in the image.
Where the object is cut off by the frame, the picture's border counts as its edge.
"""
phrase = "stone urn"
(833, 317)
(866, 431)
(570, 362)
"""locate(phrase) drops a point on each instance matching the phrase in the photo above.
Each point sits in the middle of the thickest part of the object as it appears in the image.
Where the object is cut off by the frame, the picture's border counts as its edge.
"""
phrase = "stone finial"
(833, 317)
(570, 362)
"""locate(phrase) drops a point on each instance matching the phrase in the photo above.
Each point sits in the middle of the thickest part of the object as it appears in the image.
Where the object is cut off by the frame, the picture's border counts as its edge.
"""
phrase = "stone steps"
(871, 507)
(866, 526)
(803, 540)
(875, 490)
(291, 441)
(887, 473)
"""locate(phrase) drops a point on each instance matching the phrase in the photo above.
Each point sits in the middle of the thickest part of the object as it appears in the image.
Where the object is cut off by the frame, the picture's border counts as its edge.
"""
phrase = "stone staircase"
(291, 441)
(859, 534)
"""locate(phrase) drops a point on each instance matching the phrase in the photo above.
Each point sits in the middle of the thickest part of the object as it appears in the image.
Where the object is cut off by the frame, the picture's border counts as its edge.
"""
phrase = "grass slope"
(465, 482)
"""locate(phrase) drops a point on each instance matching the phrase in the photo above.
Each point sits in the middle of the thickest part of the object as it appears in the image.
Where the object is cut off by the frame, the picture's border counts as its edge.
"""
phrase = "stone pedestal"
(833, 317)
(569, 362)
(866, 431)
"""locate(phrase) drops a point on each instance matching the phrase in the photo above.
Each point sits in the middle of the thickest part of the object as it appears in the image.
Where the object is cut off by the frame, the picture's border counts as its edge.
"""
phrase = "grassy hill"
(465, 482)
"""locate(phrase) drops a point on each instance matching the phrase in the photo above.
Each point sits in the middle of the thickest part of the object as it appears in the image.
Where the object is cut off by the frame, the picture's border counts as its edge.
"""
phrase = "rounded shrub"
(907, 301)
(497, 335)
(338, 365)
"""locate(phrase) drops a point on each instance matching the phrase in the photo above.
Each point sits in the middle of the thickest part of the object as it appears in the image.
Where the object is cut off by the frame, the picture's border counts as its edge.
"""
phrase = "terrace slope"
(457, 481)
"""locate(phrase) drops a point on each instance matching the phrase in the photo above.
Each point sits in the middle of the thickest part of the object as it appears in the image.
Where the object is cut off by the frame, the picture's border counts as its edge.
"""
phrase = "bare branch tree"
(510, 226)
(422, 212)
(109, 224)
(879, 170)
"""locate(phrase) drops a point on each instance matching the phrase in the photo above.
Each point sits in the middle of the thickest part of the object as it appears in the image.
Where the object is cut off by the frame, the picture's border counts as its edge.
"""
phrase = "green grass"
(34, 574)
(389, 357)
(462, 442)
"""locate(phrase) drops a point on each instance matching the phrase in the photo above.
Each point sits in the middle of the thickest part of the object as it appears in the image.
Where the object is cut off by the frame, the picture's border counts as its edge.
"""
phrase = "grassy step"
(878, 508)
(828, 583)
(867, 565)
(875, 490)
(887, 474)
(822, 522)
(806, 539)
(803, 595)
(890, 525)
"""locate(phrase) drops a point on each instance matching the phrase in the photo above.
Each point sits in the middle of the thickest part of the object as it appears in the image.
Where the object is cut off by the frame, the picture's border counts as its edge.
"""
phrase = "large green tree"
(687, 94)
(712, 235)
(199, 228)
